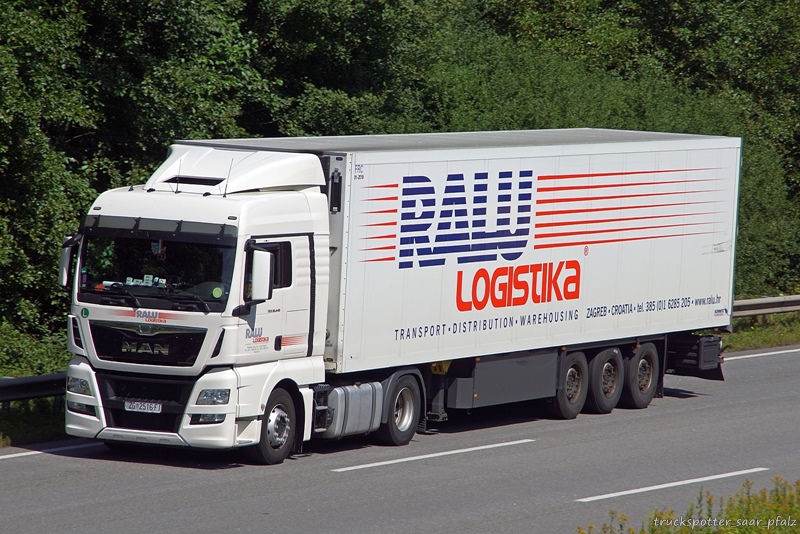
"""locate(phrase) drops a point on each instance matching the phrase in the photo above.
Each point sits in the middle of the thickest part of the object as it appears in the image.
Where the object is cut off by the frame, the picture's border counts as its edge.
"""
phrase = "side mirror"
(263, 265)
(65, 264)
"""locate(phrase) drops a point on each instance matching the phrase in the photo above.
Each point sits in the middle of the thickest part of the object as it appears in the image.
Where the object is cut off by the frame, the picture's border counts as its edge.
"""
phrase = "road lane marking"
(672, 484)
(436, 455)
(47, 451)
(760, 354)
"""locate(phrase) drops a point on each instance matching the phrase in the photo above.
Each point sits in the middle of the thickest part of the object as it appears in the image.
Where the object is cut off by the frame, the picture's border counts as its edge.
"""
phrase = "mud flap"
(693, 355)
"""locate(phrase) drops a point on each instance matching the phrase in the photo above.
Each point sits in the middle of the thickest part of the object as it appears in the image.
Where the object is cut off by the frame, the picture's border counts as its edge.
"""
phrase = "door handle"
(278, 340)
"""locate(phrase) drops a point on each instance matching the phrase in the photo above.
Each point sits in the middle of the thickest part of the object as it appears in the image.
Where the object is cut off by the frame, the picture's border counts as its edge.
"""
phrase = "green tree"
(42, 109)
(164, 71)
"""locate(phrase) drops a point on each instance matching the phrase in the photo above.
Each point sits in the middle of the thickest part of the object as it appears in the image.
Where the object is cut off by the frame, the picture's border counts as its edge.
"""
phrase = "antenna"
(178, 178)
(225, 193)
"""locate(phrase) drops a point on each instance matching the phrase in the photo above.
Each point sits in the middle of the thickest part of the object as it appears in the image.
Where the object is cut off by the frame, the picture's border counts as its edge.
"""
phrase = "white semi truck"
(263, 292)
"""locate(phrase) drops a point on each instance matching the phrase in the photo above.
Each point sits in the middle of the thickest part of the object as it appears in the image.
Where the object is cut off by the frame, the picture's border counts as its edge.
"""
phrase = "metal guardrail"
(766, 305)
(34, 387)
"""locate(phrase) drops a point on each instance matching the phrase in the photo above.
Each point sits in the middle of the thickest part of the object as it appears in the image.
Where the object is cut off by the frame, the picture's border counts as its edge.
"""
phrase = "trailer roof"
(453, 140)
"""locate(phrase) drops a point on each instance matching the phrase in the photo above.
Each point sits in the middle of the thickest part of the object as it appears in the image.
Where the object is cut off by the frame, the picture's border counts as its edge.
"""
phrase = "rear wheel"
(403, 419)
(641, 377)
(571, 395)
(606, 375)
(277, 429)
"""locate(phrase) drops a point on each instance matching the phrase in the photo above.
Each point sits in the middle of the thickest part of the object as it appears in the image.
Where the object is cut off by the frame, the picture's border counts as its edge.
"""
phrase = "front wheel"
(403, 419)
(277, 429)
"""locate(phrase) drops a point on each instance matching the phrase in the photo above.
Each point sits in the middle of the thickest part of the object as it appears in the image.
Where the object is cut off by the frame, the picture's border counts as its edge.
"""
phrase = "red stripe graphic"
(612, 230)
(287, 341)
(379, 212)
(605, 174)
(392, 258)
(381, 224)
(617, 197)
(614, 208)
(609, 186)
(659, 219)
(621, 240)
(619, 219)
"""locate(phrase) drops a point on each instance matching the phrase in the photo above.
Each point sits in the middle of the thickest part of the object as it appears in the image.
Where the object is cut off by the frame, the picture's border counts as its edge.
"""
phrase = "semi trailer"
(260, 293)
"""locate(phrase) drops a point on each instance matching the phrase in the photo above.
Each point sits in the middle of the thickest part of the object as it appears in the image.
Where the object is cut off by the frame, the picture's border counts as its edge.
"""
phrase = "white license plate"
(146, 407)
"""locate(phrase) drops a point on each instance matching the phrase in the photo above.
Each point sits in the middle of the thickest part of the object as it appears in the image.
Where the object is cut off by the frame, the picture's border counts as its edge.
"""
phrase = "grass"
(763, 331)
(746, 512)
(32, 421)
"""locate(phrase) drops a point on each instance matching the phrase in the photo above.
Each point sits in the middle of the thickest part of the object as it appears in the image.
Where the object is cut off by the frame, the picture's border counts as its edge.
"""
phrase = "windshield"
(156, 264)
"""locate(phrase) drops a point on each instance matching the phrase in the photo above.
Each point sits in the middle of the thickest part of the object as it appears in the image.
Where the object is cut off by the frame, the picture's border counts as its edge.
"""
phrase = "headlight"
(79, 407)
(207, 418)
(214, 397)
(78, 385)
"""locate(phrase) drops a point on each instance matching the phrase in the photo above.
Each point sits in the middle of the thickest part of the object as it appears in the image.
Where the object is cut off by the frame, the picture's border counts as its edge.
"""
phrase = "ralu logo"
(256, 335)
(474, 226)
(149, 316)
(152, 316)
(253, 333)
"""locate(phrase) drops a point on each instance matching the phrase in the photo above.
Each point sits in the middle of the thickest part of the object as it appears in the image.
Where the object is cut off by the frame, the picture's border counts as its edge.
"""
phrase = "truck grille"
(172, 394)
(147, 344)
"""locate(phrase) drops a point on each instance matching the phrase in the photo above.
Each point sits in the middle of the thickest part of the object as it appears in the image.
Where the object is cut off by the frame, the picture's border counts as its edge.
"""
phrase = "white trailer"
(261, 292)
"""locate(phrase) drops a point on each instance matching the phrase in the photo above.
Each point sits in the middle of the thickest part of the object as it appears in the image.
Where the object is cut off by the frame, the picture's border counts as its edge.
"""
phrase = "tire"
(277, 430)
(573, 385)
(404, 403)
(606, 381)
(641, 377)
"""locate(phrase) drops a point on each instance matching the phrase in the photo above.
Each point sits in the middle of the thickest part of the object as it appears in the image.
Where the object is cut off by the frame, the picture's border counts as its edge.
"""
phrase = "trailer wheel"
(606, 376)
(641, 377)
(277, 429)
(571, 395)
(404, 401)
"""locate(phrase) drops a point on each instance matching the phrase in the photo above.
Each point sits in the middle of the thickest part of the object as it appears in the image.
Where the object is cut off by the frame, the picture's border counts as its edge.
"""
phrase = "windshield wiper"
(189, 296)
(119, 290)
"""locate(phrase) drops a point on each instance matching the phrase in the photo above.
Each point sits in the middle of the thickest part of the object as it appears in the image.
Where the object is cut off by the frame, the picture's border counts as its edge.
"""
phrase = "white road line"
(672, 484)
(436, 455)
(775, 353)
(46, 451)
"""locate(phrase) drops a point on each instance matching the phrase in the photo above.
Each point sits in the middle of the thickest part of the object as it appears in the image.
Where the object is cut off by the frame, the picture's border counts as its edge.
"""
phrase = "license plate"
(145, 407)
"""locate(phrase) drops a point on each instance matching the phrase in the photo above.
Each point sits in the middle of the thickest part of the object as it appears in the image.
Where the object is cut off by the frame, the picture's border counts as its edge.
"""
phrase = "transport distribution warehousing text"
(543, 318)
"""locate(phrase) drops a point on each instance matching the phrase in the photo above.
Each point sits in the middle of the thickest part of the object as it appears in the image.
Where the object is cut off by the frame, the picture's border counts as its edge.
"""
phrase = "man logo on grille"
(145, 348)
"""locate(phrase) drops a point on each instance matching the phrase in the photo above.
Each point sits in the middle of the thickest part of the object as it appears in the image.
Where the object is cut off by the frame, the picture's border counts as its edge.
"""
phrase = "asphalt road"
(499, 471)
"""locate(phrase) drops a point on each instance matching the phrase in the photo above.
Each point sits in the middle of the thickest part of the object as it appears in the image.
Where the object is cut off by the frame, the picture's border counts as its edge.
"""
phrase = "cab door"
(278, 320)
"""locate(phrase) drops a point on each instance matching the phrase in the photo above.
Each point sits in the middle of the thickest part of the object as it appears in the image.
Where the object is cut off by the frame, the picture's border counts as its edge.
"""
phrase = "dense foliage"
(93, 91)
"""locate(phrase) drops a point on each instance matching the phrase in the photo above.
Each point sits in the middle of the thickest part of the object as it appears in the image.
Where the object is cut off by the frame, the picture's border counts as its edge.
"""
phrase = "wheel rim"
(278, 426)
(573, 384)
(609, 378)
(644, 374)
(404, 409)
